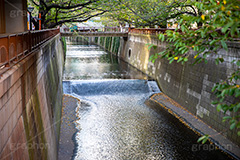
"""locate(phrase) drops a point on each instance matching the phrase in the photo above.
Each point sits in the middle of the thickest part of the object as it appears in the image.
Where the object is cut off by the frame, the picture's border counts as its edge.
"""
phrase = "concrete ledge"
(161, 101)
(67, 143)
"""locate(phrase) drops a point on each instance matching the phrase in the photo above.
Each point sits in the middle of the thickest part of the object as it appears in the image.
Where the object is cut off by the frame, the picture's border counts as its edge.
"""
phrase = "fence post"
(8, 49)
(30, 40)
(22, 40)
(16, 47)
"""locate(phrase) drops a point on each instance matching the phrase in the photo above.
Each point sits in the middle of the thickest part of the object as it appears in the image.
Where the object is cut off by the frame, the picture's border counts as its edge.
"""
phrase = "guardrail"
(15, 47)
(95, 29)
(152, 31)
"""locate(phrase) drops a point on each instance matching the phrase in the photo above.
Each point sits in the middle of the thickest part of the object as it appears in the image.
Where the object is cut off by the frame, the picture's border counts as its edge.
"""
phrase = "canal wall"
(30, 104)
(114, 45)
(188, 85)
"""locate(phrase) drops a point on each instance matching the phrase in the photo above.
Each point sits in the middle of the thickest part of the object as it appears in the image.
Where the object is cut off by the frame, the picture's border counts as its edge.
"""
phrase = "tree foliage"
(219, 24)
(57, 12)
(150, 13)
(139, 13)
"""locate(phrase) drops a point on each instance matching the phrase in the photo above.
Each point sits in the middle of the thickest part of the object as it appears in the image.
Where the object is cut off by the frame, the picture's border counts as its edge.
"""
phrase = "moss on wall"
(112, 44)
(116, 44)
(51, 88)
(34, 88)
(34, 129)
(102, 39)
(96, 39)
(64, 44)
(108, 43)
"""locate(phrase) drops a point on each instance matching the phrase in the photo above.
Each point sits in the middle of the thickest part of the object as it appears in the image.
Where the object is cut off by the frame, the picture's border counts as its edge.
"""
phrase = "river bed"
(112, 121)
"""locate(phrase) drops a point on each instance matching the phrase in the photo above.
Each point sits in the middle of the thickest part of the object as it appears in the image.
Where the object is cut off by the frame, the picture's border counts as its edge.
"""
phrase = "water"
(91, 62)
(113, 121)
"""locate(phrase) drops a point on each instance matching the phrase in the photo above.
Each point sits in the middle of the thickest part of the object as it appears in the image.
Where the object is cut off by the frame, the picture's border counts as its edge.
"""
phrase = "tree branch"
(75, 20)
(34, 3)
(73, 6)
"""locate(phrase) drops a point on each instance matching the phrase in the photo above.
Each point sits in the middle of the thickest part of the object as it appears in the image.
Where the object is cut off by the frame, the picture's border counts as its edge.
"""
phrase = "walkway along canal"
(105, 116)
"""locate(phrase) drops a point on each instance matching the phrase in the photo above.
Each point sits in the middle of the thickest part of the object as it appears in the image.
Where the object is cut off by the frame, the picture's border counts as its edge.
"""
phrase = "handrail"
(95, 29)
(151, 31)
(15, 47)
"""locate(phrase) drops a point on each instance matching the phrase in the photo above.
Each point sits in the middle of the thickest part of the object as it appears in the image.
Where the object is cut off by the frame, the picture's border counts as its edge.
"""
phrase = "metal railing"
(95, 29)
(15, 47)
(151, 31)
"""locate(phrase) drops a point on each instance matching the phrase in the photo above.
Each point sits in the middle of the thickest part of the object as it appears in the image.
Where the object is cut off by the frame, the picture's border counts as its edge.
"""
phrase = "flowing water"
(112, 122)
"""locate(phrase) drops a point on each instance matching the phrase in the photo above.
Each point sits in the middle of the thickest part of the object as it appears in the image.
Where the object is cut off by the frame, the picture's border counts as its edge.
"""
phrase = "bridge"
(108, 31)
(96, 32)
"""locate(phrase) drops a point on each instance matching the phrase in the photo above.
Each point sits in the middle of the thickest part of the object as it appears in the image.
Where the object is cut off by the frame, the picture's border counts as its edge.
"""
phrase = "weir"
(186, 88)
(112, 119)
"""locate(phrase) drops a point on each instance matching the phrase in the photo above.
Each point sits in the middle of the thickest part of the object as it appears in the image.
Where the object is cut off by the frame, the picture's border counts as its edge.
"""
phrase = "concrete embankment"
(189, 86)
(67, 142)
(31, 103)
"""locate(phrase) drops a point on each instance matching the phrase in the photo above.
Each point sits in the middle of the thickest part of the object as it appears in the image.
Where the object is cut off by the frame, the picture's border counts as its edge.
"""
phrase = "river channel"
(109, 119)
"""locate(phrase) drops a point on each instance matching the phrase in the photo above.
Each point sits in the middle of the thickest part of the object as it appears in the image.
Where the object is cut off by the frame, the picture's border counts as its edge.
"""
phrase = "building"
(13, 16)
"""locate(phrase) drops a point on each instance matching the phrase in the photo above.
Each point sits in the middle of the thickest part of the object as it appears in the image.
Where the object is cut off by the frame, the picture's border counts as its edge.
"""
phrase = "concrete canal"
(105, 116)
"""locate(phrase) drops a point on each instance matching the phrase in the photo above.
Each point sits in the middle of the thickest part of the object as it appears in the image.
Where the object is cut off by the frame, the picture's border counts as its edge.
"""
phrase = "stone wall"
(30, 104)
(189, 85)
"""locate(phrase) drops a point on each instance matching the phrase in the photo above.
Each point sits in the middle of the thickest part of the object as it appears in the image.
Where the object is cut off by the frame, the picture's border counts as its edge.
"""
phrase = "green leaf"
(238, 133)
(221, 59)
(219, 107)
(171, 60)
(205, 61)
(234, 28)
(197, 60)
(226, 118)
(152, 57)
(184, 28)
(231, 92)
(161, 37)
(224, 45)
(237, 92)
(225, 28)
(150, 46)
(203, 139)
(213, 42)
(238, 124)
(185, 59)
(214, 88)
(232, 126)
(223, 93)
(233, 61)
(236, 108)
(180, 59)
(215, 102)
(238, 63)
